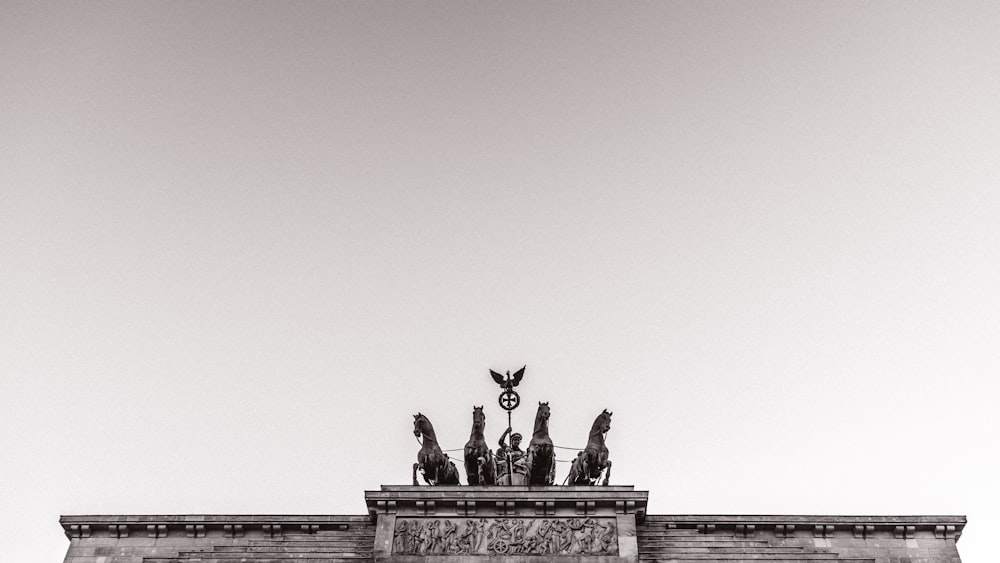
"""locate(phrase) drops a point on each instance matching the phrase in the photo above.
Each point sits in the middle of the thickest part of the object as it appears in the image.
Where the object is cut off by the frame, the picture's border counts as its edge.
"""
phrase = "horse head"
(602, 423)
(421, 425)
(543, 411)
(478, 419)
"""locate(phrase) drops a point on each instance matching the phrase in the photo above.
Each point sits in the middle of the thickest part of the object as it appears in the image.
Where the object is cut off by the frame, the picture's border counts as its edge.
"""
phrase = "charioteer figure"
(511, 463)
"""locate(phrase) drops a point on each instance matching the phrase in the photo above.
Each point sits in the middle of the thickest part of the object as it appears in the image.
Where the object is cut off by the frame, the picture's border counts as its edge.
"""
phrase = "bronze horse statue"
(479, 465)
(435, 466)
(587, 466)
(541, 460)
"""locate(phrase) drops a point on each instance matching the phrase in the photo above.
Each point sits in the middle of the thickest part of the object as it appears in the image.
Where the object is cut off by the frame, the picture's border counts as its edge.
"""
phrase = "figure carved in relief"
(449, 543)
(505, 536)
(427, 538)
(467, 540)
(400, 541)
(563, 536)
(606, 539)
(542, 538)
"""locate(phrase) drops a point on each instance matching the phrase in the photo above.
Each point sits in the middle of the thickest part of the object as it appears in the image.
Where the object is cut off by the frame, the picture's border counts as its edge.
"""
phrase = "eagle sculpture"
(511, 381)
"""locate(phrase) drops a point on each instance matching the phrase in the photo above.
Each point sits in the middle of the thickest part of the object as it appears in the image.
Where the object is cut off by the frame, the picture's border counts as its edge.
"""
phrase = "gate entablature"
(449, 521)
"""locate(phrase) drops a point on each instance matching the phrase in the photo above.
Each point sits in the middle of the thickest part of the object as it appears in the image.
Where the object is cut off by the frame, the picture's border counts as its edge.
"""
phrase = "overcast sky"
(242, 243)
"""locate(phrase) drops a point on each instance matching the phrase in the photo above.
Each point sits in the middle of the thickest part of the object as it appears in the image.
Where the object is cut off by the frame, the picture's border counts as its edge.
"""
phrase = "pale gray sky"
(242, 243)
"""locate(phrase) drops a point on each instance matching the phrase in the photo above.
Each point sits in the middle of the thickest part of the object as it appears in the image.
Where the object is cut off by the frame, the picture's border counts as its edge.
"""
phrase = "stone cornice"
(821, 526)
(505, 501)
(523, 500)
(202, 525)
(817, 519)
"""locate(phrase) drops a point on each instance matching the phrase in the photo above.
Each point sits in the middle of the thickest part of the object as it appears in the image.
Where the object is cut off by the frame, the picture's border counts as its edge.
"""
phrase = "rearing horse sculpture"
(587, 466)
(435, 466)
(541, 460)
(479, 464)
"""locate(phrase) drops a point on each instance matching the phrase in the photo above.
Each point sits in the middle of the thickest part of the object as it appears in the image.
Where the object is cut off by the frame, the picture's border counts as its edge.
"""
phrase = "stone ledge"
(501, 559)
(820, 526)
(206, 518)
(202, 525)
(488, 501)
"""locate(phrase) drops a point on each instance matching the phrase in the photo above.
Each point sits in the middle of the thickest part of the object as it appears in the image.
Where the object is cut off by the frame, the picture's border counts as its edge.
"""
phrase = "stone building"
(490, 524)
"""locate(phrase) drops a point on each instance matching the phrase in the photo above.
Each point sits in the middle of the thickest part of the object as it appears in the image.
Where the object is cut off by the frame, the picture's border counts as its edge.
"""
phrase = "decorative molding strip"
(206, 525)
(75, 531)
(506, 508)
(864, 531)
(823, 526)
(823, 531)
(784, 530)
(625, 506)
(545, 508)
(946, 532)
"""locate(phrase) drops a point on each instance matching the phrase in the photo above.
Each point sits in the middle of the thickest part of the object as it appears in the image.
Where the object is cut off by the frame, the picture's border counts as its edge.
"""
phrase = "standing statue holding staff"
(510, 460)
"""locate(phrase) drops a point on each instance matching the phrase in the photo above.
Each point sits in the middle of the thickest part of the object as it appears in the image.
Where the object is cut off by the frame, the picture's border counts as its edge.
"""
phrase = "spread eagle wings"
(497, 377)
(517, 377)
(514, 380)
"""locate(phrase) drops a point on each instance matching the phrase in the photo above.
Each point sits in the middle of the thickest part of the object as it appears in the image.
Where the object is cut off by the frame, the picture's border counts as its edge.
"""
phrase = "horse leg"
(584, 470)
(552, 471)
(491, 469)
(415, 466)
(471, 469)
(607, 473)
(578, 469)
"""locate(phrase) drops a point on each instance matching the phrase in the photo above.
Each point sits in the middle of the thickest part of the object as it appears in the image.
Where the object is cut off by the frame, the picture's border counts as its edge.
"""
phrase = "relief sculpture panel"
(505, 536)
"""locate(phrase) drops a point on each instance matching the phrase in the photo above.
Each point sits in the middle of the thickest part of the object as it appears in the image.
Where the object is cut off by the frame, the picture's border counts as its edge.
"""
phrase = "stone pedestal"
(487, 524)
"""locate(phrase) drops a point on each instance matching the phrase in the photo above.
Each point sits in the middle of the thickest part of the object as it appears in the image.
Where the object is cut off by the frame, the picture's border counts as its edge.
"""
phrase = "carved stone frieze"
(505, 536)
